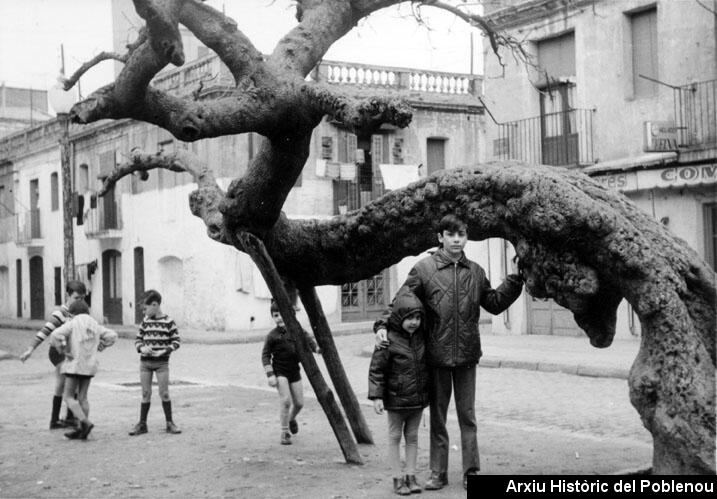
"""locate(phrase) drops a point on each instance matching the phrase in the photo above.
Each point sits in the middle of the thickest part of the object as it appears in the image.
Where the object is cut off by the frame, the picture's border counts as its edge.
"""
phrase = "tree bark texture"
(577, 243)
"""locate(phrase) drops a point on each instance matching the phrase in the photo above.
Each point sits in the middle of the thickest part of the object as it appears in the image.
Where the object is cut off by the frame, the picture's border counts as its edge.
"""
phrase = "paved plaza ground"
(529, 422)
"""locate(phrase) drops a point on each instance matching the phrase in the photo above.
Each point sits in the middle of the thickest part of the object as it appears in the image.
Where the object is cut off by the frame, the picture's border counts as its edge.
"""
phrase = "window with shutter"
(643, 27)
(107, 163)
(54, 192)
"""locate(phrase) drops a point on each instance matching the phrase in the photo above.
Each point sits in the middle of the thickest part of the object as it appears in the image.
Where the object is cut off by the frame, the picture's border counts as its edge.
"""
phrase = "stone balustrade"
(343, 73)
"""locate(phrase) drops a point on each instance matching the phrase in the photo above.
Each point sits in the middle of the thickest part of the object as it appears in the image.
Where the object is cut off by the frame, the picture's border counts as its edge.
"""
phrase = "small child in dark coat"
(398, 382)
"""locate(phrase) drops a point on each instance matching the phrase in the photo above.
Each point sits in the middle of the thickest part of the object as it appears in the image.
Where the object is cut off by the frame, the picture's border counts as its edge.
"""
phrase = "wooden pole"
(334, 366)
(256, 250)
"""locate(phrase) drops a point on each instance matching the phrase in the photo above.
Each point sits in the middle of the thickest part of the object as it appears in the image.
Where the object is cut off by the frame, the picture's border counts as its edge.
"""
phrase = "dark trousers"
(463, 381)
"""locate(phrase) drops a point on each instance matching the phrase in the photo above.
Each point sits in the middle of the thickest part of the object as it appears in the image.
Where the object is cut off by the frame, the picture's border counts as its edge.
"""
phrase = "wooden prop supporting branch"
(334, 366)
(256, 250)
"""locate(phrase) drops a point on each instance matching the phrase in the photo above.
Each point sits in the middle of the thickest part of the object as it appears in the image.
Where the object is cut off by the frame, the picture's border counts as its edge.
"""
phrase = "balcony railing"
(696, 113)
(28, 226)
(344, 73)
(104, 220)
(7, 229)
(560, 139)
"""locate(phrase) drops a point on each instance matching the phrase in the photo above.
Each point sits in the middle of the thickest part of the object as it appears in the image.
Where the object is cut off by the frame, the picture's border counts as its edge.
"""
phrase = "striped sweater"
(57, 319)
(158, 333)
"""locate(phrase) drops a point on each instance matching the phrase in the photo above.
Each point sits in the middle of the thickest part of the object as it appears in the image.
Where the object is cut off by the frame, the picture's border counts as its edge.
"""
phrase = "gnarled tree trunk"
(583, 246)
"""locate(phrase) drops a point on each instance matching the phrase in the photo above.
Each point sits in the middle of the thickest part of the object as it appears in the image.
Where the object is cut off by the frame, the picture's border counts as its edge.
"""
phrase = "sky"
(32, 31)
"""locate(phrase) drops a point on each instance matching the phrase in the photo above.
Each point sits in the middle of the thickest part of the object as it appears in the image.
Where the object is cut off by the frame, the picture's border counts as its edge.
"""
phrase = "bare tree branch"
(496, 39)
(68, 83)
(204, 202)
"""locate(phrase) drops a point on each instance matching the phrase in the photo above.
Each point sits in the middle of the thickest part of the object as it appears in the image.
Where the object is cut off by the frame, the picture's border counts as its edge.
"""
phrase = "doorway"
(138, 283)
(37, 288)
(365, 299)
(112, 286)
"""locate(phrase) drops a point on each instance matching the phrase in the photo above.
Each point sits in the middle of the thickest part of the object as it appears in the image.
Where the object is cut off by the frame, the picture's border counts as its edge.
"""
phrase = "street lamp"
(62, 101)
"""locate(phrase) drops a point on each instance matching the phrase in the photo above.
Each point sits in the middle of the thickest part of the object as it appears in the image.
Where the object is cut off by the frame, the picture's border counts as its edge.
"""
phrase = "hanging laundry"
(398, 176)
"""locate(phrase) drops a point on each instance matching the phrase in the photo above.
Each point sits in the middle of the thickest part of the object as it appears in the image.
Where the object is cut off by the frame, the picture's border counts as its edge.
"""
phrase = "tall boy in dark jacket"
(398, 382)
(452, 290)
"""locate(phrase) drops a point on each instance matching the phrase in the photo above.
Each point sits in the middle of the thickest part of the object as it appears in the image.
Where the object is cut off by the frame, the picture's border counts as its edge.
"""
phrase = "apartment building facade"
(142, 234)
(625, 91)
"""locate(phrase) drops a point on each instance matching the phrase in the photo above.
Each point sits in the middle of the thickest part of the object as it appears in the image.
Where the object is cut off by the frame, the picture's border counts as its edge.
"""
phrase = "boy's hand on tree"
(272, 381)
(381, 339)
(378, 406)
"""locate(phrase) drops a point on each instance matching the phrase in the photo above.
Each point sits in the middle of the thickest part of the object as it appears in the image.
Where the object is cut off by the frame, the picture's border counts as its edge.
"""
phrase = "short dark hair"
(151, 296)
(451, 223)
(75, 287)
(273, 307)
(78, 307)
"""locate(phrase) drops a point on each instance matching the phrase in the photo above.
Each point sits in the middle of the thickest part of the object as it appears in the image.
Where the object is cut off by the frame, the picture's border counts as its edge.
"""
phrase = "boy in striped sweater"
(156, 340)
(75, 291)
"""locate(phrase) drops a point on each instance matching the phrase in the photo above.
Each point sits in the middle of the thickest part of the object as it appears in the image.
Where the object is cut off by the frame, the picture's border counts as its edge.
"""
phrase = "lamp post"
(62, 101)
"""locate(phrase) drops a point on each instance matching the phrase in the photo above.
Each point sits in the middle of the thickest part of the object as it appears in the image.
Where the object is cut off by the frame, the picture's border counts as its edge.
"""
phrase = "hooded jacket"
(398, 374)
(79, 338)
(453, 292)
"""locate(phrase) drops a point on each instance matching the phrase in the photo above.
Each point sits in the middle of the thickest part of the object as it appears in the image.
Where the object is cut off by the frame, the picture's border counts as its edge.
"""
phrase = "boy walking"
(280, 358)
(75, 291)
(79, 339)
(452, 290)
(156, 339)
(398, 382)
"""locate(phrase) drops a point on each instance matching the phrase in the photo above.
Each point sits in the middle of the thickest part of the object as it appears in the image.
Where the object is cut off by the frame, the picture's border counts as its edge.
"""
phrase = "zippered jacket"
(452, 293)
(398, 374)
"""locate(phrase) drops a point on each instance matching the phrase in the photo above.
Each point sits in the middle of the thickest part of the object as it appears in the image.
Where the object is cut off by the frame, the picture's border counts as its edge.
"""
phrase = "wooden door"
(365, 300)
(112, 286)
(37, 288)
(138, 283)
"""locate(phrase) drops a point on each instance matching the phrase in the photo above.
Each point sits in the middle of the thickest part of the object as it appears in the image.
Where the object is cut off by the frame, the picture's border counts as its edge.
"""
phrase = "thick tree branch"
(359, 110)
(220, 33)
(162, 17)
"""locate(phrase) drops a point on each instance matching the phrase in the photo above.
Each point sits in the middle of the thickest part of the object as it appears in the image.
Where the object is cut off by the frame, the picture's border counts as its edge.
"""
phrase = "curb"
(212, 338)
(548, 367)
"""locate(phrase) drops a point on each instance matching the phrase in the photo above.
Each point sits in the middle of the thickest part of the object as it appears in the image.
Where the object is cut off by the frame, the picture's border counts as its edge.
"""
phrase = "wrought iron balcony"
(560, 139)
(28, 226)
(103, 221)
(696, 114)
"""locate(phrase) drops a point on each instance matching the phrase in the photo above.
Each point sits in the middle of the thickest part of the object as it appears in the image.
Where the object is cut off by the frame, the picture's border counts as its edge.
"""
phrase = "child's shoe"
(285, 438)
(437, 480)
(57, 424)
(293, 427)
(412, 484)
(400, 488)
(172, 428)
(85, 429)
(139, 429)
(75, 434)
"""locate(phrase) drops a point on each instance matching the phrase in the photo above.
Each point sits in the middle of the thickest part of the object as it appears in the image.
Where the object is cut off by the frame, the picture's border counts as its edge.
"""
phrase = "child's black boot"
(400, 488)
(412, 484)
